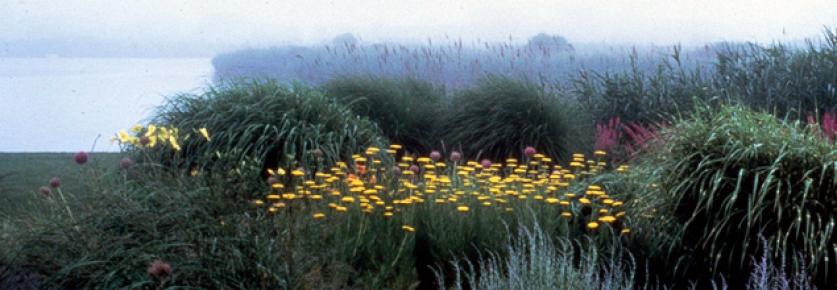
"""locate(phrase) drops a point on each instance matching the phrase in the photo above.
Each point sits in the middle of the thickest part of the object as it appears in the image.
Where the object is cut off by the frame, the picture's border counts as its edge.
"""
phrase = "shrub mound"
(500, 116)
(734, 175)
(265, 123)
(406, 109)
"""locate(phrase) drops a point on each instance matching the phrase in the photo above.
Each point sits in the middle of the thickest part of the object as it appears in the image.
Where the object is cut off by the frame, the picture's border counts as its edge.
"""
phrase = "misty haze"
(418, 144)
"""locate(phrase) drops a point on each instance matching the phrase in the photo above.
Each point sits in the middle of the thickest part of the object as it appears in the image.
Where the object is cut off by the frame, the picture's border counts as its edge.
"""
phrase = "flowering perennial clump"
(152, 135)
(367, 185)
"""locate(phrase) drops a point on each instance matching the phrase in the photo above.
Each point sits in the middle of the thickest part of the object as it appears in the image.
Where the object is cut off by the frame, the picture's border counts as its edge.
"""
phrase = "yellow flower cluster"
(368, 186)
(152, 135)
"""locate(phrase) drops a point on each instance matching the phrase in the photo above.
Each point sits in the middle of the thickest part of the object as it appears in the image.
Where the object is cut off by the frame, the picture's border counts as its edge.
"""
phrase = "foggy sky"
(204, 27)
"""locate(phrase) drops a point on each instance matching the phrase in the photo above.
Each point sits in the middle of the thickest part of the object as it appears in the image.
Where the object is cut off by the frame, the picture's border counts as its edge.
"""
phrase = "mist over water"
(63, 104)
(64, 93)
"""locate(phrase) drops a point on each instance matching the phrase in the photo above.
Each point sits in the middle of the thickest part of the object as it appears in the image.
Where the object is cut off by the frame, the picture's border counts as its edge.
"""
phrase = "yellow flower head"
(592, 225)
(173, 142)
(136, 128)
(123, 136)
(408, 228)
(607, 219)
(319, 215)
(204, 133)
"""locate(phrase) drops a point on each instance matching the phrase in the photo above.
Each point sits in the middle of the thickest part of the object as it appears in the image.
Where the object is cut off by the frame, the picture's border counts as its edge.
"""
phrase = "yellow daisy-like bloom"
(152, 141)
(204, 133)
(395, 146)
(297, 173)
(136, 128)
(123, 136)
(566, 214)
(592, 225)
(258, 202)
(607, 219)
(625, 231)
(388, 214)
(173, 143)
(599, 153)
(151, 130)
(319, 215)
(462, 209)
(408, 229)
(164, 133)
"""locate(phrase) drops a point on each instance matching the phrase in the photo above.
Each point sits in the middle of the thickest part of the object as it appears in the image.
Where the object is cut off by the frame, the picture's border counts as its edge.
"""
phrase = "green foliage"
(640, 96)
(21, 174)
(533, 260)
(265, 123)
(777, 78)
(406, 109)
(500, 116)
(734, 175)
(781, 78)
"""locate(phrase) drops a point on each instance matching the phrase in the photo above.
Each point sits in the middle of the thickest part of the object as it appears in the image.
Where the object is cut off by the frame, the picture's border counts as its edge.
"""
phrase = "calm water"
(63, 104)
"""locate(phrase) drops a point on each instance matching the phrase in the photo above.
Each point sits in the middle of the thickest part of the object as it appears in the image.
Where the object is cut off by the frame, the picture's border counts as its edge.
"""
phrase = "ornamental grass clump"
(406, 109)
(533, 260)
(732, 174)
(255, 125)
(499, 116)
(643, 96)
(779, 77)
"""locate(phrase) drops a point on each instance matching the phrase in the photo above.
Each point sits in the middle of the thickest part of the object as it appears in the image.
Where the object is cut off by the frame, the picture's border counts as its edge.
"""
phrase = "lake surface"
(63, 104)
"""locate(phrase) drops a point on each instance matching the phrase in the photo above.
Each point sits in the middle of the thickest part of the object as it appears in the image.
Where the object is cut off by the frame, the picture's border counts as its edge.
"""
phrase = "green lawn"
(21, 174)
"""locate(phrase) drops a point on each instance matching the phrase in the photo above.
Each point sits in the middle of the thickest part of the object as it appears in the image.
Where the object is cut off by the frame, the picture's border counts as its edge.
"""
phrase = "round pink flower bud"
(81, 157)
(414, 168)
(529, 151)
(159, 269)
(45, 191)
(455, 156)
(126, 163)
(486, 163)
(55, 182)
(435, 155)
